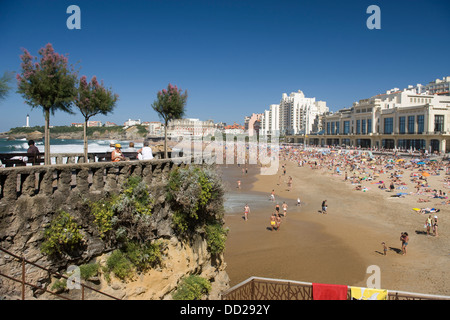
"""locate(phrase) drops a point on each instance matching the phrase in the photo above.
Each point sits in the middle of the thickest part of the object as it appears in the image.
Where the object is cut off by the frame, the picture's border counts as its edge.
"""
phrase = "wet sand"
(333, 248)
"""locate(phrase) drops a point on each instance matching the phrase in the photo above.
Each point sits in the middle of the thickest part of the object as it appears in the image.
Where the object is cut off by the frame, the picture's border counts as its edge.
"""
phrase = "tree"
(169, 105)
(4, 84)
(48, 84)
(92, 99)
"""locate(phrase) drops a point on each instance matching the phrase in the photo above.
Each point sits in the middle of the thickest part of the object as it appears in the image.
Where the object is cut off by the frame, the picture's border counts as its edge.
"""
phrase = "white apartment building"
(394, 120)
(270, 121)
(130, 123)
(155, 128)
(438, 86)
(295, 115)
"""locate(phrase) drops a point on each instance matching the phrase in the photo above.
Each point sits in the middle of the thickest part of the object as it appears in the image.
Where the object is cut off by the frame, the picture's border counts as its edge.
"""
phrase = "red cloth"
(329, 291)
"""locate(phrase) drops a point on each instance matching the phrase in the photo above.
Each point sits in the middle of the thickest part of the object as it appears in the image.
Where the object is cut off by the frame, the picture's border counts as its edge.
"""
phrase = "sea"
(65, 145)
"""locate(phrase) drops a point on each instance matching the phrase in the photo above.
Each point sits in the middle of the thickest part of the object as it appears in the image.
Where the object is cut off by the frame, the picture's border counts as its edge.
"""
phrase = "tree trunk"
(165, 140)
(47, 138)
(85, 141)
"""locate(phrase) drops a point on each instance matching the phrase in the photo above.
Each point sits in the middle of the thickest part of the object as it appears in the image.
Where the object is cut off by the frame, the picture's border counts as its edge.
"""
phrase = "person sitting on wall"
(145, 153)
(116, 154)
(32, 153)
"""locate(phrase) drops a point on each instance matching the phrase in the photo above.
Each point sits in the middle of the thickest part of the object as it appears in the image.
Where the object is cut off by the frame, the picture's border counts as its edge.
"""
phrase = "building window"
(411, 124)
(332, 128)
(328, 128)
(439, 123)
(402, 125)
(363, 126)
(358, 126)
(337, 127)
(346, 127)
(369, 125)
(420, 124)
(388, 125)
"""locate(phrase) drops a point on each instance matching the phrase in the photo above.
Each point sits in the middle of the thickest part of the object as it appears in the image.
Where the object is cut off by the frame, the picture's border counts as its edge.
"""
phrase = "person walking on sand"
(273, 220)
(277, 209)
(246, 211)
(284, 206)
(404, 239)
(239, 184)
(278, 219)
(384, 247)
(272, 195)
(324, 206)
(429, 223)
(435, 226)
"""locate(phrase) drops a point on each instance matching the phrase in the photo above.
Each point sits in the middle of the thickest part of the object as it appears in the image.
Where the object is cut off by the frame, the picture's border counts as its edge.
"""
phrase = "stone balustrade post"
(64, 180)
(28, 186)
(9, 188)
(98, 180)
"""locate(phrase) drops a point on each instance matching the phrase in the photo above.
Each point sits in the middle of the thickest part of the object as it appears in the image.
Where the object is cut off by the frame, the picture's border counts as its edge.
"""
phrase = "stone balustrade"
(29, 181)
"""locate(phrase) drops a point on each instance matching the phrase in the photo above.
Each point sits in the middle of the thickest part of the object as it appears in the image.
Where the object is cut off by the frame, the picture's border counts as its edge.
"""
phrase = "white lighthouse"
(28, 121)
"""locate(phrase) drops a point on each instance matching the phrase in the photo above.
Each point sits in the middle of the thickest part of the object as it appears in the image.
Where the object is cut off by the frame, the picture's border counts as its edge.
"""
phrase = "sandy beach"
(338, 247)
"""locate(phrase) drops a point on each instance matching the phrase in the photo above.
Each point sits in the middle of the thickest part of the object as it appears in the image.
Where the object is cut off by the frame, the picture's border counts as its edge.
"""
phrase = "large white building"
(397, 119)
(295, 114)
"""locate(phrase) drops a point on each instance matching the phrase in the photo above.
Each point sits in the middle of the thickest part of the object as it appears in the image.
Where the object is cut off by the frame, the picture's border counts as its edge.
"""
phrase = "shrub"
(192, 288)
(125, 216)
(134, 256)
(103, 213)
(62, 235)
(216, 236)
(196, 196)
(119, 264)
(143, 256)
(87, 271)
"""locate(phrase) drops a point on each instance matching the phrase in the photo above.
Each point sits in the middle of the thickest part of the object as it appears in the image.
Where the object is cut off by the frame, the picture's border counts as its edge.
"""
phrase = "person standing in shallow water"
(246, 211)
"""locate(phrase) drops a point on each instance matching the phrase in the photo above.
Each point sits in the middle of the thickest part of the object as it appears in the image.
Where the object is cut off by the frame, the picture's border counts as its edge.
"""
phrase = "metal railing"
(256, 288)
(24, 283)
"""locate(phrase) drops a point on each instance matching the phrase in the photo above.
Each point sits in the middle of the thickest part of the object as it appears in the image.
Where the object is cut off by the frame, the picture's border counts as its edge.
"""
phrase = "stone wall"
(31, 196)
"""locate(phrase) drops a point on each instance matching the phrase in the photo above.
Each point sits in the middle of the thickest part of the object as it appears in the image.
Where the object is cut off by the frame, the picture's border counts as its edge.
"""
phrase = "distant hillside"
(66, 132)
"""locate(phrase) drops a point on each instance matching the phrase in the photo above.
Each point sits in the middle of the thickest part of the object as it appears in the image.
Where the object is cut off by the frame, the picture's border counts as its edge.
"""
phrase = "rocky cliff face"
(22, 224)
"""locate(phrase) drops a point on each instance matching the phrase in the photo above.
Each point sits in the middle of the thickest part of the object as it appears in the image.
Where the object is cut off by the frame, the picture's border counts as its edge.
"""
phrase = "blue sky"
(234, 58)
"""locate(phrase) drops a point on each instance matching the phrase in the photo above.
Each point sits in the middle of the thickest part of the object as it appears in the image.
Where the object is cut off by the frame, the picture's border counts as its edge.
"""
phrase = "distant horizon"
(234, 58)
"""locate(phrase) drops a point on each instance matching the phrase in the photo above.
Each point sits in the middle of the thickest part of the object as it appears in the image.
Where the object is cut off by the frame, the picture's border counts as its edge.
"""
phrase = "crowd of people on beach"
(363, 170)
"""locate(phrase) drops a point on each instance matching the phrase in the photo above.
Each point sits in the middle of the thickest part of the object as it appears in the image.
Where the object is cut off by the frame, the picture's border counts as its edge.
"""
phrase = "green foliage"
(143, 256)
(120, 265)
(137, 191)
(62, 235)
(89, 270)
(5, 81)
(49, 83)
(169, 104)
(125, 216)
(132, 257)
(196, 197)
(103, 213)
(192, 288)
(59, 285)
(216, 236)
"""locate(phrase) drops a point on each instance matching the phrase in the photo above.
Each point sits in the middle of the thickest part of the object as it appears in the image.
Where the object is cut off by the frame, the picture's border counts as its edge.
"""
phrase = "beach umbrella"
(425, 174)
(421, 162)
